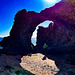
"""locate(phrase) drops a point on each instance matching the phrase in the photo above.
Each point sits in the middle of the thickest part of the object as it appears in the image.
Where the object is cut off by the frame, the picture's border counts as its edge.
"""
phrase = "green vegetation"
(35, 56)
(32, 55)
(20, 71)
(45, 46)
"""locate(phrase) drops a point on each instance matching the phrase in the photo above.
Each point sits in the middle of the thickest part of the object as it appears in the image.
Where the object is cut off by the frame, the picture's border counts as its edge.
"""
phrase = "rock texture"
(63, 30)
(10, 65)
(61, 35)
(58, 38)
(37, 66)
(24, 25)
(34, 65)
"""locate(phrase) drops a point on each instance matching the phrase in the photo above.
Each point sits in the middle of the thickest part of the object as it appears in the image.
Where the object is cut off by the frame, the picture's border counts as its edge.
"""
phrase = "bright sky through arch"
(43, 24)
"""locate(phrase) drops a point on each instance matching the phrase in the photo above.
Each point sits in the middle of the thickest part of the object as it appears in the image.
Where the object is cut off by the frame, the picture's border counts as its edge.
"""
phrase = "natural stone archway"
(21, 32)
(63, 16)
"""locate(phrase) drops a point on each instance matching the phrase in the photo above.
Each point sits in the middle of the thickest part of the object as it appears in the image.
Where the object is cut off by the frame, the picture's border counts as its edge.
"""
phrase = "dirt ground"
(36, 64)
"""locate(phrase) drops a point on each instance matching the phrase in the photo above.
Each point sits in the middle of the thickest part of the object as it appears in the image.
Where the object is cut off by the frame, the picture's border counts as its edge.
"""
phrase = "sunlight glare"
(51, 1)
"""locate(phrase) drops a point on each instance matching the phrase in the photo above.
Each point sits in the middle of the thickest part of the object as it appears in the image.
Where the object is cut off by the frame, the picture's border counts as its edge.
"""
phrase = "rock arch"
(21, 32)
(25, 23)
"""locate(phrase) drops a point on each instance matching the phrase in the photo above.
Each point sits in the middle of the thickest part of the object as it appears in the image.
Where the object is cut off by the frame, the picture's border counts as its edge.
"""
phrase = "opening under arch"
(34, 36)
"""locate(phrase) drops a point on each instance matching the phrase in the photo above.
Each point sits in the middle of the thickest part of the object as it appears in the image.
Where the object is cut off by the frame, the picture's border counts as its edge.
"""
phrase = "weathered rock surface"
(63, 16)
(21, 32)
(58, 39)
(61, 35)
(10, 65)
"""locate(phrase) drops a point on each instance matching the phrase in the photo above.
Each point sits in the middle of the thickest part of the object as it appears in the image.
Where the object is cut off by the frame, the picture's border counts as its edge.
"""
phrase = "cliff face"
(62, 33)
(63, 16)
(58, 38)
(54, 34)
(63, 12)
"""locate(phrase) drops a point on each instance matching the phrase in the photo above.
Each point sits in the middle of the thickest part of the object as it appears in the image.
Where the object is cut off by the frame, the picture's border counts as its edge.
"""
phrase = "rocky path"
(37, 66)
(30, 65)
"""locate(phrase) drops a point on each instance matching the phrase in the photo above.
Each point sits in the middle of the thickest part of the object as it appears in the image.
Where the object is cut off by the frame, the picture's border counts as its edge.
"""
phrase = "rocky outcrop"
(24, 25)
(63, 30)
(61, 35)
(62, 12)
(52, 35)
(58, 38)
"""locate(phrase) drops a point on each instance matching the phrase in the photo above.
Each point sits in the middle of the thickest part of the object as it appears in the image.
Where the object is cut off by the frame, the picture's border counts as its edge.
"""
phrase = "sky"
(8, 9)
(44, 24)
